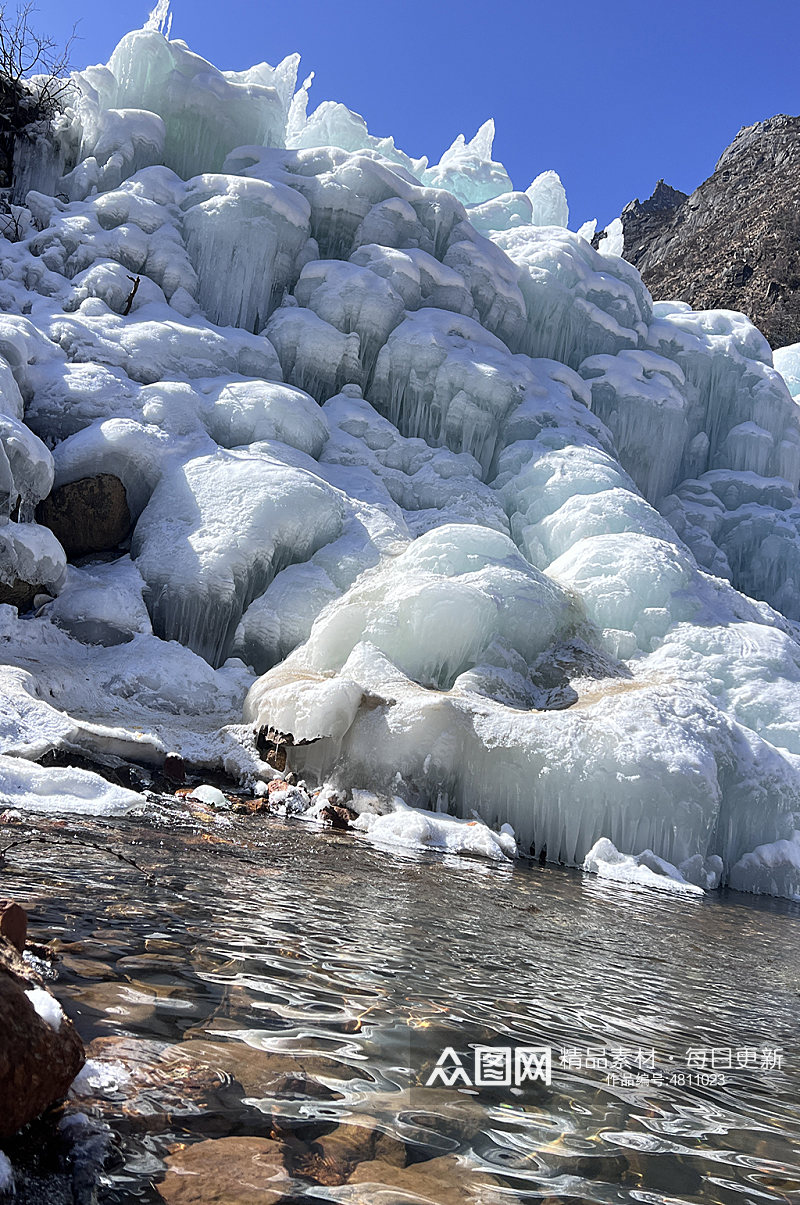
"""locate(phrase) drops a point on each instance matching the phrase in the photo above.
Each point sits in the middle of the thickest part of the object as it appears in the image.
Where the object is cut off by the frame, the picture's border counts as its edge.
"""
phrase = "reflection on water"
(298, 986)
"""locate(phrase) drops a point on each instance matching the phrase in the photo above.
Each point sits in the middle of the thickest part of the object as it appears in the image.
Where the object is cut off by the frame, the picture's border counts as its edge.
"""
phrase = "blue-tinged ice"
(416, 476)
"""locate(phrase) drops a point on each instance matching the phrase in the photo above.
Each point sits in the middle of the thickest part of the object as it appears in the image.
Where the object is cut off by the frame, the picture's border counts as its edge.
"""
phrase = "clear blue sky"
(611, 95)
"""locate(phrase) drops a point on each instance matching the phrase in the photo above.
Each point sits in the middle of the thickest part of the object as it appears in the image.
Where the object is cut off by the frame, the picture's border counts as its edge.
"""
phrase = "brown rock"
(276, 758)
(37, 1063)
(18, 593)
(733, 243)
(264, 1072)
(89, 515)
(277, 784)
(332, 1158)
(13, 924)
(226, 1171)
(252, 806)
(446, 1180)
(174, 768)
(338, 816)
(264, 803)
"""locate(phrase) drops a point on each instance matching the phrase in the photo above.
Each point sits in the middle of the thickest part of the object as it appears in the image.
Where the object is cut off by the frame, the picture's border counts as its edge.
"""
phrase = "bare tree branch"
(24, 52)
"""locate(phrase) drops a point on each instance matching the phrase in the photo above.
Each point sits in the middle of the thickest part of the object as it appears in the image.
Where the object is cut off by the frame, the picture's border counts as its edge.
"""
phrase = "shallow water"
(329, 976)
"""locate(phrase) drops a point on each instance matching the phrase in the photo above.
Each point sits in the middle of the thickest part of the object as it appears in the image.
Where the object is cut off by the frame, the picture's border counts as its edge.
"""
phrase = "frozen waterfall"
(417, 477)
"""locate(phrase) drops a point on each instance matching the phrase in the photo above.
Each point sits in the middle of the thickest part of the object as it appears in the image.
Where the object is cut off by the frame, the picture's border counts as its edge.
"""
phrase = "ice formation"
(643, 870)
(421, 482)
(47, 1007)
(6, 1175)
(405, 828)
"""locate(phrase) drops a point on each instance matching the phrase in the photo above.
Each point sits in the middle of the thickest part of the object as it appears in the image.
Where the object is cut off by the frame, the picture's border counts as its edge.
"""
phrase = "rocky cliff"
(735, 242)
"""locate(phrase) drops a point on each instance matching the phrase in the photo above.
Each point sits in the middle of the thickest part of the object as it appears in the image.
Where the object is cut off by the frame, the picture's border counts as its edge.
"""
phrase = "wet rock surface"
(735, 242)
(227, 1171)
(40, 1050)
(337, 816)
(13, 924)
(443, 1181)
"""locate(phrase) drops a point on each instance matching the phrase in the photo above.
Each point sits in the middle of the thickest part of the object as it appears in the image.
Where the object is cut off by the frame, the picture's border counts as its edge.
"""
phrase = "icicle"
(160, 19)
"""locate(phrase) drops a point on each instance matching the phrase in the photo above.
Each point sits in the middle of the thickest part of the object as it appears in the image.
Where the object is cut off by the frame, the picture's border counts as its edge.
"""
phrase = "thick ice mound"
(398, 441)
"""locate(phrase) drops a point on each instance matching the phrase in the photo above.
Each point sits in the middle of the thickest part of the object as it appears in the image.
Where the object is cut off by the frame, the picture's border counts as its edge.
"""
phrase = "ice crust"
(419, 479)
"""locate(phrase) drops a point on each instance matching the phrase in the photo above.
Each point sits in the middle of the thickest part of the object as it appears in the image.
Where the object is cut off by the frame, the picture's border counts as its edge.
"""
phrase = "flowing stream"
(263, 978)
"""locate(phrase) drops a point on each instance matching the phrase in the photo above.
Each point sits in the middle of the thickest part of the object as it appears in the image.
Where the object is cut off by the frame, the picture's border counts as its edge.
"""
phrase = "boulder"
(40, 1050)
(13, 924)
(19, 594)
(89, 515)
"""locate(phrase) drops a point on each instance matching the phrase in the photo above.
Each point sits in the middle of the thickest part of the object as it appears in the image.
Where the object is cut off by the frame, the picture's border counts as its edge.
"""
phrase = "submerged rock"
(446, 1180)
(332, 1158)
(226, 1171)
(266, 1073)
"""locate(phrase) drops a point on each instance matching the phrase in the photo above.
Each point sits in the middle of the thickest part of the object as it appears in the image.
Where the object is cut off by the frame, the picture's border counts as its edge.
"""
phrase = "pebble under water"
(259, 979)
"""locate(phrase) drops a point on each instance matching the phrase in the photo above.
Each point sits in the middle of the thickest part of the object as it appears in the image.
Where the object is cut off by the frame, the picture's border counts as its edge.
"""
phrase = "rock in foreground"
(40, 1050)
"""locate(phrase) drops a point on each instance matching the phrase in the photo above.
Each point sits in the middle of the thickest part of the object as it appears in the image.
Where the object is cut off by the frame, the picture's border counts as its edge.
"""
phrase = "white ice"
(640, 870)
(100, 1076)
(210, 795)
(25, 784)
(406, 828)
(6, 1175)
(772, 869)
(418, 477)
(47, 1007)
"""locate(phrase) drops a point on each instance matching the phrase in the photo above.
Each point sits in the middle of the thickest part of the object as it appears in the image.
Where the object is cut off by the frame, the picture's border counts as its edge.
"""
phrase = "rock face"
(19, 594)
(642, 221)
(89, 515)
(38, 1060)
(735, 242)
